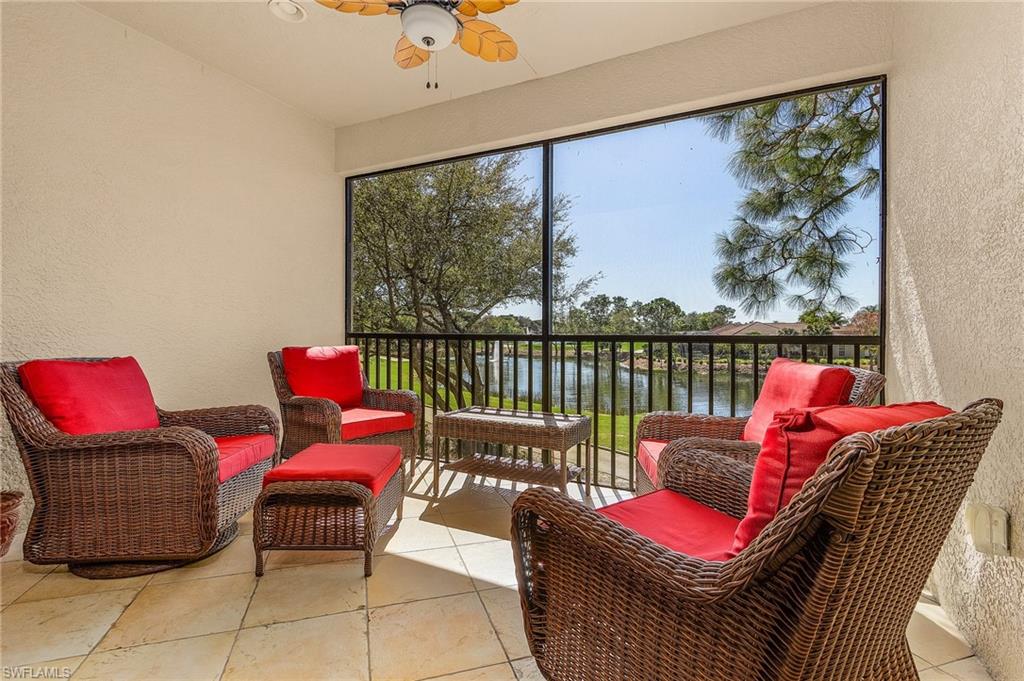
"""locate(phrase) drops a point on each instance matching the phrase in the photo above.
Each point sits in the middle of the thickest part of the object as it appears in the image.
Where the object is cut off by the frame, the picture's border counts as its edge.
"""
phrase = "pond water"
(744, 387)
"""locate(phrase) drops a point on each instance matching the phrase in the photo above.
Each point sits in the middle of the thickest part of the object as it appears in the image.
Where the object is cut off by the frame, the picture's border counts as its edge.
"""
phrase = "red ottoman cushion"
(358, 422)
(647, 455)
(331, 372)
(91, 397)
(797, 443)
(795, 385)
(677, 522)
(369, 465)
(238, 453)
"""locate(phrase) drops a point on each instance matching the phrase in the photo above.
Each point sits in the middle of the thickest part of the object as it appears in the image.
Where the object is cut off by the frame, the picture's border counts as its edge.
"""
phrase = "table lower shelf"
(519, 470)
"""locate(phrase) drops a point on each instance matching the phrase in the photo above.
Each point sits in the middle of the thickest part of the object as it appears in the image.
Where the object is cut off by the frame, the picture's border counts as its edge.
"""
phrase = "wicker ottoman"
(329, 497)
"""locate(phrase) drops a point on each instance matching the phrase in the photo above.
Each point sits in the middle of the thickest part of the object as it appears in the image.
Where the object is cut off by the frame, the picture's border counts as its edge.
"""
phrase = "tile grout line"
(42, 576)
(463, 671)
(487, 613)
(366, 609)
(110, 628)
(238, 630)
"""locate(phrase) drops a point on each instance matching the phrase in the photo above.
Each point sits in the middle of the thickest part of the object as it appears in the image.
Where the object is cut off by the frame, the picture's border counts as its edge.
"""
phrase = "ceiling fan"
(432, 25)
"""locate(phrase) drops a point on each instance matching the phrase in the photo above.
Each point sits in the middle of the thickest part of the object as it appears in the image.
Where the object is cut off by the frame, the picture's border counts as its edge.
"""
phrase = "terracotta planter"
(10, 506)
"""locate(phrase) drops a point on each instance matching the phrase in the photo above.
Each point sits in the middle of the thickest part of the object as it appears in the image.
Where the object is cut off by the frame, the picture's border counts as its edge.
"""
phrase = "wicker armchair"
(825, 592)
(309, 420)
(721, 434)
(137, 501)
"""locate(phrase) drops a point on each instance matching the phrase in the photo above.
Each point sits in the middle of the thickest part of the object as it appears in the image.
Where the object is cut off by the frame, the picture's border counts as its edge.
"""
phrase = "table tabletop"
(515, 427)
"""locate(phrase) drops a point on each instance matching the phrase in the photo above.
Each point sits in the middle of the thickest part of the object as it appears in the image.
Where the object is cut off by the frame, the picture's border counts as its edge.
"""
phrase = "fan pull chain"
(433, 63)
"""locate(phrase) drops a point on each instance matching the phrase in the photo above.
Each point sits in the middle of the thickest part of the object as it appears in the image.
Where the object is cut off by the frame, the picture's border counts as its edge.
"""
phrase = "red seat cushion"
(795, 385)
(369, 465)
(647, 454)
(677, 522)
(91, 397)
(797, 443)
(331, 372)
(358, 422)
(238, 453)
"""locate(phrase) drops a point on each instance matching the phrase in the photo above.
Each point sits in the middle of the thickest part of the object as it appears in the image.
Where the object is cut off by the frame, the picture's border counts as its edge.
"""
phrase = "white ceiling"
(338, 67)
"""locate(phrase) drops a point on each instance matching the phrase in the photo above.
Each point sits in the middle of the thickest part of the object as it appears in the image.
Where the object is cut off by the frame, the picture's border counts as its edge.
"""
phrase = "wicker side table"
(543, 430)
(304, 515)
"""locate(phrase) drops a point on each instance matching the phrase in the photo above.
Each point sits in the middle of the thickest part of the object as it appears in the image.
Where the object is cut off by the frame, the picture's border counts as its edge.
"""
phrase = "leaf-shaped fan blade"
(367, 8)
(487, 41)
(408, 56)
(471, 8)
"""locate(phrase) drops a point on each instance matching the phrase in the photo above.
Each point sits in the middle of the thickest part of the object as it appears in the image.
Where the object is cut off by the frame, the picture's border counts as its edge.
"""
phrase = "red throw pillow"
(796, 444)
(331, 372)
(796, 385)
(91, 397)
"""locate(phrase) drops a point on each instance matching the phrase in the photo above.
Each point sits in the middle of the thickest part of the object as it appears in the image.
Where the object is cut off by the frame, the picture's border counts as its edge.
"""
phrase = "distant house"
(785, 329)
(760, 329)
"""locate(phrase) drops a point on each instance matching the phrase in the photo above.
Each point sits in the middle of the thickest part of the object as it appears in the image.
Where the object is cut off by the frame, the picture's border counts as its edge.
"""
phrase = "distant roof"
(758, 328)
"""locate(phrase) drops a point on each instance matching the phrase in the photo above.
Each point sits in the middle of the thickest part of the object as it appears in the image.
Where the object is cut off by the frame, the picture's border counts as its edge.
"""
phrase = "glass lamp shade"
(287, 10)
(429, 26)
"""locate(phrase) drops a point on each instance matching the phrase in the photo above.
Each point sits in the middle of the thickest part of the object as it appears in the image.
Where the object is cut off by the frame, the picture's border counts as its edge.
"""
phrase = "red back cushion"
(797, 443)
(91, 397)
(795, 385)
(331, 372)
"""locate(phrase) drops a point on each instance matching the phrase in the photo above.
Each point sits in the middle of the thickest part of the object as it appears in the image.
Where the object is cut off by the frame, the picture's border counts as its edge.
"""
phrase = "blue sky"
(647, 204)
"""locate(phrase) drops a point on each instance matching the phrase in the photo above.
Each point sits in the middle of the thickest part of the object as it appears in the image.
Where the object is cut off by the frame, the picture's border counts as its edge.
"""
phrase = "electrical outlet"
(990, 529)
(1000, 524)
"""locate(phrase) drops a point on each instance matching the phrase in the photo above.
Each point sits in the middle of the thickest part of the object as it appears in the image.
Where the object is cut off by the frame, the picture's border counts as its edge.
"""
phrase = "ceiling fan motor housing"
(430, 24)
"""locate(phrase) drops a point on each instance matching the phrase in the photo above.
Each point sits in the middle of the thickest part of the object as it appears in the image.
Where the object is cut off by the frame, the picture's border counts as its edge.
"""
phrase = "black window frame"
(547, 184)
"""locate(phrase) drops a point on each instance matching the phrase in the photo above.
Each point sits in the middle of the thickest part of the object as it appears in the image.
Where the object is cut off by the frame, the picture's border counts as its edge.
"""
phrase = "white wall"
(956, 274)
(955, 208)
(159, 208)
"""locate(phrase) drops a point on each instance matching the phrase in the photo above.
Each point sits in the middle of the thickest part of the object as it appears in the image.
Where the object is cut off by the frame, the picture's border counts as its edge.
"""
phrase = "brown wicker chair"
(308, 420)
(825, 592)
(132, 502)
(721, 434)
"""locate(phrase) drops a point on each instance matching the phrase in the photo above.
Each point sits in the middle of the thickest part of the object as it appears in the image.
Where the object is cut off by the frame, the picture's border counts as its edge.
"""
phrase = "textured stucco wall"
(156, 207)
(956, 275)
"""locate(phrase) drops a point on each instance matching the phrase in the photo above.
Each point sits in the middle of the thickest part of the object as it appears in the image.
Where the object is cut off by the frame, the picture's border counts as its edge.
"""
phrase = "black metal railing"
(614, 379)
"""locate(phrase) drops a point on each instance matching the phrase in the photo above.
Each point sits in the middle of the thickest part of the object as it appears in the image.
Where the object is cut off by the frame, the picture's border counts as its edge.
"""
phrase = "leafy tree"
(440, 248)
(866, 321)
(821, 323)
(597, 311)
(802, 160)
(659, 316)
(509, 324)
(705, 321)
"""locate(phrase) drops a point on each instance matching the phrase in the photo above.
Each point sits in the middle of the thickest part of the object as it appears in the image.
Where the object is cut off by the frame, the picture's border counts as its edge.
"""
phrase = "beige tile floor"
(440, 605)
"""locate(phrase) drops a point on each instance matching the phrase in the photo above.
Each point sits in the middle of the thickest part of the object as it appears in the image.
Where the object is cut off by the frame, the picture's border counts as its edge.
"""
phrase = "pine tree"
(803, 161)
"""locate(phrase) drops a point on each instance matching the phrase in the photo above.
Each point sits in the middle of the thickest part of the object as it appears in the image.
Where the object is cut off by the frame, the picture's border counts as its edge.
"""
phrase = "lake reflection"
(584, 387)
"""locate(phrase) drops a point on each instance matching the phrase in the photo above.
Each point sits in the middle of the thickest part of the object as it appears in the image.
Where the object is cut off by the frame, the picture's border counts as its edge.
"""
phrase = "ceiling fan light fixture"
(287, 10)
(429, 26)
